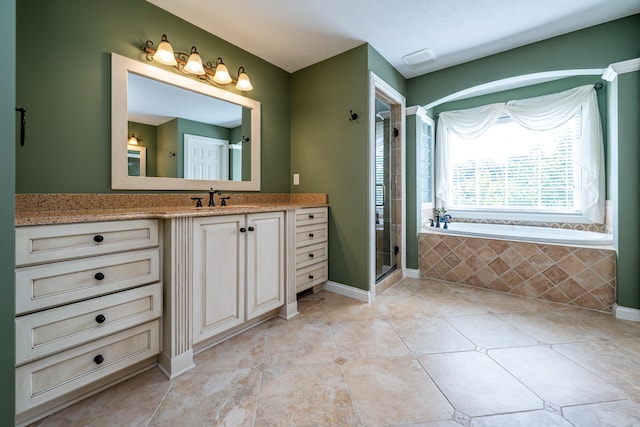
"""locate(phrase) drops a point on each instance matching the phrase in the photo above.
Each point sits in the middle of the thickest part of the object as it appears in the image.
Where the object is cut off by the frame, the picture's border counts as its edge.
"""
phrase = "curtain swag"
(539, 113)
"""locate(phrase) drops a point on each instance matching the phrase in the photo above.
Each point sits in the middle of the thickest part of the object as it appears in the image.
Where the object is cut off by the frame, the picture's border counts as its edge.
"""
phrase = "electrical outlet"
(296, 179)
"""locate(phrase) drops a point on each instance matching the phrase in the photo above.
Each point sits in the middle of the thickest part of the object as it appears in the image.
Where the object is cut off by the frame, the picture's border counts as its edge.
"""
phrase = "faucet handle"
(223, 200)
(198, 201)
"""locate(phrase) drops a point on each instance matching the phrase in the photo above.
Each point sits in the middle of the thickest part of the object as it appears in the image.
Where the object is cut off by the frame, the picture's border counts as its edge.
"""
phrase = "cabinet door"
(265, 262)
(218, 275)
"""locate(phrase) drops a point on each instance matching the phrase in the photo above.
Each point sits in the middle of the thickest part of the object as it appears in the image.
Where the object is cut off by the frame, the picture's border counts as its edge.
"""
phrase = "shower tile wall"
(583, 277)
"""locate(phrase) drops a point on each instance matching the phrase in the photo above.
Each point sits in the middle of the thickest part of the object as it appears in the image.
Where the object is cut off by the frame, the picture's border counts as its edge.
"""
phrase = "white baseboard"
(348, 291)
(412, 273)
(626, 313)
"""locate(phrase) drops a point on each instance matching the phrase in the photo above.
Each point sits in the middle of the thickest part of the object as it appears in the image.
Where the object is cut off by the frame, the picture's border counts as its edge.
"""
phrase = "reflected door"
(206, 158)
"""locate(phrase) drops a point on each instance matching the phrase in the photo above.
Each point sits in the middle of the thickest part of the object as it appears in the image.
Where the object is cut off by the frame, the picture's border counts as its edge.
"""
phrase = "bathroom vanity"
(104, 295)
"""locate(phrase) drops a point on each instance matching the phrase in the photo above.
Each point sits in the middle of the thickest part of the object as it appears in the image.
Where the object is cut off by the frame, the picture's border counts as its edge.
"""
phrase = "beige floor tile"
(313, 395)
(242, 351)
(552, 327)
(488, 331)
(398, 307)
(430, 335)
(350, 311)
(611, 414)
(476, 386)
(555, 378)
(522, 419)
(394, 391)
(359, 340)
(608, 359)
(226, 397)
(299, 342)
(130, 403)
(457, 304)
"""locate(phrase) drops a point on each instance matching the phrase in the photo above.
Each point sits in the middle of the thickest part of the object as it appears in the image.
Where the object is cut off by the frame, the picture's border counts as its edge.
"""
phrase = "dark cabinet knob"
(310, 216)
(242, 229)
(310, 234)
(99, 276)
(251, 229)
(311, 276)
(310, 255)
(98, 359)
(100, 318)
(98, 238)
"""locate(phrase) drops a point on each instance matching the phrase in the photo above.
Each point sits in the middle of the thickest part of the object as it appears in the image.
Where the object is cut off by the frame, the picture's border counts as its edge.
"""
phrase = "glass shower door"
(385, 209)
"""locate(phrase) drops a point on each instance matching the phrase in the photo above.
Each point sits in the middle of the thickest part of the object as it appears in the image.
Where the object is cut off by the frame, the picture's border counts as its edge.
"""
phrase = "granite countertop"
(68, 209)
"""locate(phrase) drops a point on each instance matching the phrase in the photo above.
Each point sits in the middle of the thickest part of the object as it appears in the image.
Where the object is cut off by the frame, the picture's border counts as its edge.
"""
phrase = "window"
(535, 159)
(510, 167)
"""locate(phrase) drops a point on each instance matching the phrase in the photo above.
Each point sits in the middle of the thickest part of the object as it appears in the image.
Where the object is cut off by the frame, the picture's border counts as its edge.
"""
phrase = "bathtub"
(527, 234)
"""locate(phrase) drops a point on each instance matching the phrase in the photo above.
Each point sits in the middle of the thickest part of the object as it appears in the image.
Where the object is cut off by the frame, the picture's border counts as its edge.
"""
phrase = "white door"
(265, 262)
(206, 158)
(218, 275)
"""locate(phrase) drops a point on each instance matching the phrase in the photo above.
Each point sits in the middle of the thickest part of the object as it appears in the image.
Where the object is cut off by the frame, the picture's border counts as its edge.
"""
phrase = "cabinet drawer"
(308, 216)
(50, 243)
(311, 276)
(311, 234)
(50, 331)
(60, 283)
(311, 254)
(46, 379)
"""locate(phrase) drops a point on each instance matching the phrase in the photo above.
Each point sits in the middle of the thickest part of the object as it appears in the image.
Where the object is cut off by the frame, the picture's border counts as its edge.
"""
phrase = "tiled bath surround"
(583, 277)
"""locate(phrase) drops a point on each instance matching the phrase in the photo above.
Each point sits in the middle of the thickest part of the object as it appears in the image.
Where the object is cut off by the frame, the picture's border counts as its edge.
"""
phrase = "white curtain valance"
(539, 113)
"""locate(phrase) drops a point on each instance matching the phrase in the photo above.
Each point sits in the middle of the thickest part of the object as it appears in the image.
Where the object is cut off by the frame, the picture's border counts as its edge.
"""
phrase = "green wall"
(628, 202)
(411, 196)
(68, 89)
(593, 47)
(8, 119)
(330, 154)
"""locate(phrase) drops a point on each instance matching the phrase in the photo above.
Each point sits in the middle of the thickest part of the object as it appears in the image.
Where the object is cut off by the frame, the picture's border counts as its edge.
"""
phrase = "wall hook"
(245, 139)
(23, 124)
(352, 116)
(172, 154)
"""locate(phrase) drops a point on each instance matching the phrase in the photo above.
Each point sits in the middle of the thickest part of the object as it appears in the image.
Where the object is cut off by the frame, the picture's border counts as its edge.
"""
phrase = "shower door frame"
(378, 87)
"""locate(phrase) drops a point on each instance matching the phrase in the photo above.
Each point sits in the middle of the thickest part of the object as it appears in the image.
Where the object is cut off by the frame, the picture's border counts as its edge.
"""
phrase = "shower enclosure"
(386, 186)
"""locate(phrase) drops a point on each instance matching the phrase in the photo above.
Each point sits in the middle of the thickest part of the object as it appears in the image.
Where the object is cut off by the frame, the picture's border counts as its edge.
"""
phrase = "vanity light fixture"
(133, 140)
(217, 73)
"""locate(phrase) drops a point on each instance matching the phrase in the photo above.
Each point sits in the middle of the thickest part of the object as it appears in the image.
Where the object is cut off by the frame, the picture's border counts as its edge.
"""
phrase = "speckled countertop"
(46, 209)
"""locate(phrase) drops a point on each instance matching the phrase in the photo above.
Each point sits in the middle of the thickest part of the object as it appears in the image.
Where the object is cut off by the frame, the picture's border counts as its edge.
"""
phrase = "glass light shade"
(222, 76)
(164, 54)
(244, 84)
(194, 64)
(132, 140)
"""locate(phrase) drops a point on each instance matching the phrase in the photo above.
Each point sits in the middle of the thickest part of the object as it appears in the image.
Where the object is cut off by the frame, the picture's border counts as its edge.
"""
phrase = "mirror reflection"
(184, 134)
(173, 132)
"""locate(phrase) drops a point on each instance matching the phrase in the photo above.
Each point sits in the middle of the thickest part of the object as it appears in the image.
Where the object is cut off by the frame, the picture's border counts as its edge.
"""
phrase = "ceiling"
(293, 34)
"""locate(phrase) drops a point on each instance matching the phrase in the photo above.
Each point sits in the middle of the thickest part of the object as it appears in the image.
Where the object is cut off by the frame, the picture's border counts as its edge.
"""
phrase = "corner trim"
(626, 313)
(412, 273)
(622, 67)
(347, 291)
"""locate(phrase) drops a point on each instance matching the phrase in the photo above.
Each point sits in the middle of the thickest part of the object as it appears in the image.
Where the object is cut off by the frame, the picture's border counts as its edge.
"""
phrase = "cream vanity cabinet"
(88, 304)
(311, 232)
(238, 270)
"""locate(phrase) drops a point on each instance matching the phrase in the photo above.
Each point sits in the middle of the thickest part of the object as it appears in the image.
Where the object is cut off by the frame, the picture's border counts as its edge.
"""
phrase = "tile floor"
(425, 353)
